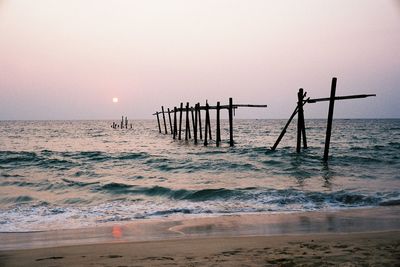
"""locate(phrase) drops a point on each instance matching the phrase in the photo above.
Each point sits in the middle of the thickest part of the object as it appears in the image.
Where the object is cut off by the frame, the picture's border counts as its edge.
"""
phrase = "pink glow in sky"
(68, 59)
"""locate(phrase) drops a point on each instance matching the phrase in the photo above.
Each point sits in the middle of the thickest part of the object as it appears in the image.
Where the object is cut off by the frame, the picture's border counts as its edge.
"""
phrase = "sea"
(76, 174)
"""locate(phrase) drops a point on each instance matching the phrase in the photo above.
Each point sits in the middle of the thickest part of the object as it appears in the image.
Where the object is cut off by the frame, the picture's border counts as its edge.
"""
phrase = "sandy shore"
(357, 249)
(365, 237)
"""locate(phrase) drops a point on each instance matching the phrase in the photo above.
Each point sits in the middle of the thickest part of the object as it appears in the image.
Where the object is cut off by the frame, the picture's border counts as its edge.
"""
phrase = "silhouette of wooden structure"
(123, 124)
(194, 114)
(299, 110)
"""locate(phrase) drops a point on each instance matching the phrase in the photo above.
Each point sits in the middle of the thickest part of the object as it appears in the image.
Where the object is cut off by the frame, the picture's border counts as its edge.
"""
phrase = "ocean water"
(72, 174)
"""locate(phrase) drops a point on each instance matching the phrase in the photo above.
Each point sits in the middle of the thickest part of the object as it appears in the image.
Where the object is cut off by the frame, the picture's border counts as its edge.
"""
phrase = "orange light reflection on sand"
(117, 232)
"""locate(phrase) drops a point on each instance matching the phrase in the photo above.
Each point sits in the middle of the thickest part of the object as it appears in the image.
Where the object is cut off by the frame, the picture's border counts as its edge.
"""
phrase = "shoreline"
(378, 219)
(349, 238)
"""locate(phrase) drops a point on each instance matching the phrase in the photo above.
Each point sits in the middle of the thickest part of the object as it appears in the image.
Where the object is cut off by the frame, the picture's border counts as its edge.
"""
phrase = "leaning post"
(163, 115)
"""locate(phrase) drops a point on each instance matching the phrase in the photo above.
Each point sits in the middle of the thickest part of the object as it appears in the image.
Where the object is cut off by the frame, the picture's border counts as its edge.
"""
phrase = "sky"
(68, 59)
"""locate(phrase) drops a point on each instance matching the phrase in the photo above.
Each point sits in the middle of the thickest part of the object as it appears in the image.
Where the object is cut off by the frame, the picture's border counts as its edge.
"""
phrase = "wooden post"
(158, 120)
(299, 123)
(209, 121)
(170, 122)
(206, 124)
(195, 123)
(330, 118)
(126, 122)
(218, 138)
(175, 124)
(180, 122)
(122, 122)
(200, 130)
(230, 121)
(187, 132)
(163, 115)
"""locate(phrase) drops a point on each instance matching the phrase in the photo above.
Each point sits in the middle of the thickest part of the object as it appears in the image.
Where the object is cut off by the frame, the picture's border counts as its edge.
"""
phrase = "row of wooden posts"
(194, 113)
(299, 111)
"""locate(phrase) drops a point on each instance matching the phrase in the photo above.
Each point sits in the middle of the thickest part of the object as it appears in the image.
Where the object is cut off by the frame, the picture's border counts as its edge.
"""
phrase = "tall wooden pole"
(195, 123)
(175, 123)
(230, 121)
(187, 132)
(170, 121)
(200, 129)
(218, 138)
(206, 125)
(158, 120)
(299, 122)
(180, 122)
(330, 118)
(163, 115)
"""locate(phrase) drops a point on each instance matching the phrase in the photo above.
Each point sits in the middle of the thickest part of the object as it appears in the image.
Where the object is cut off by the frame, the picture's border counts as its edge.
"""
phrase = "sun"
(115, 99)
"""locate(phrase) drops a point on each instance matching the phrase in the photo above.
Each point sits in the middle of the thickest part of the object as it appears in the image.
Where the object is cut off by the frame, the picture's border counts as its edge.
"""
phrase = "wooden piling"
(218, 137)
(187, 132)
(158, 121)
(170, 122)
(330, 118)
(200, 129)
(230, 121)
(163, 115)
(180, 122)
(126, 122)
(206, 125)
(122, 122)
(299, 122)
(195, 123)
(175, 124)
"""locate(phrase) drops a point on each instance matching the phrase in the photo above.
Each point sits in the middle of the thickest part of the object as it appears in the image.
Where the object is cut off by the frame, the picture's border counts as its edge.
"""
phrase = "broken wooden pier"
(193, 113)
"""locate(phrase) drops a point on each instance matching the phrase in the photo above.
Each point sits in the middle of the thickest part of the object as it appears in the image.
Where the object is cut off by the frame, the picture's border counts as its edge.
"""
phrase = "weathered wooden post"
(180, 121)
(230, 121)
(170, 122)
(187, 132)
(195, 123)
(209, 121)
(122, 122)
(218, 138)
(206, 125)
(158, 121)
(330, 118)
(163, 115)
(126, 122)
(200, 129)
(175, 123)
(299, 117)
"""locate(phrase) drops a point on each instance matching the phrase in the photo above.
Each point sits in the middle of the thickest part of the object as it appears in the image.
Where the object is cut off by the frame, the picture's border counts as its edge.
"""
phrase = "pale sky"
(68, 59)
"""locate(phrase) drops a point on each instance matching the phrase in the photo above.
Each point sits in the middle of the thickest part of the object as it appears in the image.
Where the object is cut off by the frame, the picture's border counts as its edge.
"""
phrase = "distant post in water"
(170, 122)
(187, 132)
(330, 118)
(200, 129)
(126, 122)
(175, 123)
(163, 114)
(206, 125)
(180, 121)
(230, 121)
(195, 124)
(158, 121)
(218, 138)
(122, 122)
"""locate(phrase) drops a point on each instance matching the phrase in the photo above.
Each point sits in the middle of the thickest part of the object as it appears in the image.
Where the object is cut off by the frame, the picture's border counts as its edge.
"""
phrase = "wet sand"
(346, 238)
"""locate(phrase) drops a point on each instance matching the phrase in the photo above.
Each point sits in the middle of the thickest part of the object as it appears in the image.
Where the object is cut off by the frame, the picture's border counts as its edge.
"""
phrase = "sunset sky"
(68, 59)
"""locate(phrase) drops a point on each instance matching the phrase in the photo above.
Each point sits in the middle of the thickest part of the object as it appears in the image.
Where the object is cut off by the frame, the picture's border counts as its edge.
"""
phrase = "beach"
(357, 237)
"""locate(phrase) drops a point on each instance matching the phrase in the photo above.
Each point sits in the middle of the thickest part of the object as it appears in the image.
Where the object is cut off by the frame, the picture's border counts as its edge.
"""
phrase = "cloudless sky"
(67, 59)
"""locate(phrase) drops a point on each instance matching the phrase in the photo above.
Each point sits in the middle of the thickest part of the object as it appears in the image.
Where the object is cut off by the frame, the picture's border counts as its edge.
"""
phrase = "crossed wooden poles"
(301, 130)
(195, 112)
